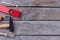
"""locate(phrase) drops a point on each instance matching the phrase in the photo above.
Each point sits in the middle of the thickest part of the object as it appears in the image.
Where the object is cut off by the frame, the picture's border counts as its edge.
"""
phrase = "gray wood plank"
(40, 38)
(29, 14)
(34, 2)
(35, 27)
(6, 38)
(31, 38)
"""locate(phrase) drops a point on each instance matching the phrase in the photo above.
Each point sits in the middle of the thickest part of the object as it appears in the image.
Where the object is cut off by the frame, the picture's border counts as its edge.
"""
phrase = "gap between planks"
(37, 35)
(37, 6)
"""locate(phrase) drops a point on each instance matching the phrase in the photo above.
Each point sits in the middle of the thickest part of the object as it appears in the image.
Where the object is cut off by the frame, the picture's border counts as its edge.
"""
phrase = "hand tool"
(10, 35)
(10, 26)
(3, 25)
(10, 11)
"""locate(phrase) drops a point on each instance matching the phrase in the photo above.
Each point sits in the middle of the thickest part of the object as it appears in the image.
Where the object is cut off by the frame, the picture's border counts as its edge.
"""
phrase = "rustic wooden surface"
(40, 20)
(36, 14)
(32, 38)
(35, 27)
(34, 2)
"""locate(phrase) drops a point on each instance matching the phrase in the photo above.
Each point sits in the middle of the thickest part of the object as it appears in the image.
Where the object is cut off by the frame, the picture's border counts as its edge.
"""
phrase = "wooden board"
(34, 2)
(31, 38)
(6, 38)
(36, 14)
(40, 20)
(35, 28)
(39, 38)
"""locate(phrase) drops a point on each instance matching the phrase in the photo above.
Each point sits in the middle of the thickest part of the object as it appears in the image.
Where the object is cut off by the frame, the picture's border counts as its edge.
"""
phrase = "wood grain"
(36, 14)
(40, 20)
(35, 28)
(34, 2)
(39, 38)
(31, 38)
(6, 38)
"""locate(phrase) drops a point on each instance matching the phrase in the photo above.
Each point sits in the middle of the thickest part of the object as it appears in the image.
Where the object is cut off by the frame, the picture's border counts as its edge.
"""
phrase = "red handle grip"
(10, 11)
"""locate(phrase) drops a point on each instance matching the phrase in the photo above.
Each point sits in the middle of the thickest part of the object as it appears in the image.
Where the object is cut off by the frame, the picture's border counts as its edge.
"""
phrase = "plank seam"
(37, 6)
(37, 35)
(33, 20)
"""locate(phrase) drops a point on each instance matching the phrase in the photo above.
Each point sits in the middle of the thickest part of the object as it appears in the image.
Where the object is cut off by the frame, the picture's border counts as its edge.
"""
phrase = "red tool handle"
(10, 11)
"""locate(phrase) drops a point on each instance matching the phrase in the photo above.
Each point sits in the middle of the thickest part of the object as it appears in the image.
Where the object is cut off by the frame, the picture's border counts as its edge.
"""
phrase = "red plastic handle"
(12, 12)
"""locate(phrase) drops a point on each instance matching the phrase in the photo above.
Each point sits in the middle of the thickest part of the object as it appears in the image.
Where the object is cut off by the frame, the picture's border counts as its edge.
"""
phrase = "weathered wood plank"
(31, 38)
(39, 38)
(35, 27)
(6, 38)
(40, 14)
(34, 2)
(37, 14)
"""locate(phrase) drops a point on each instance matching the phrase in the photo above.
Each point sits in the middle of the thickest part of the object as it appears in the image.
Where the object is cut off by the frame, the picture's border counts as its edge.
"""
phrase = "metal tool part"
(11, 25)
